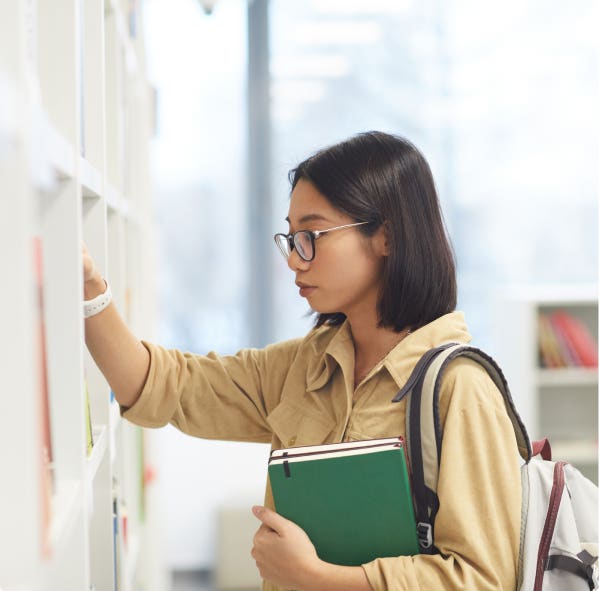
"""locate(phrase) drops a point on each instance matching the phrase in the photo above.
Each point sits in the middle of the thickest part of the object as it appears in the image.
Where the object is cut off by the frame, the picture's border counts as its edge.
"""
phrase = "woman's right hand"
(89, 266)
(93, 282)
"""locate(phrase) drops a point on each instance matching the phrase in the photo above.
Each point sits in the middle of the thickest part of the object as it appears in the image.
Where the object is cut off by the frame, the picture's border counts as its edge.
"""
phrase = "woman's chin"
(320, 309)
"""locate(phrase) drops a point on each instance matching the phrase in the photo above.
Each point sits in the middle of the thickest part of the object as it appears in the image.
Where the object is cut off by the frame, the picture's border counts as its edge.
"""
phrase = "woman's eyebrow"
(311, 217)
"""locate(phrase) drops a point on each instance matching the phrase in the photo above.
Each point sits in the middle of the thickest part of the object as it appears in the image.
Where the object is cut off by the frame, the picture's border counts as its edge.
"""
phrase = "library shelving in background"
(76, 119)
(553, 376)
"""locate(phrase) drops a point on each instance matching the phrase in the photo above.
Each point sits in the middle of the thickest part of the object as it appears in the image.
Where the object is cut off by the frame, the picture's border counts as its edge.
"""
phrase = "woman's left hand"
(283, 551)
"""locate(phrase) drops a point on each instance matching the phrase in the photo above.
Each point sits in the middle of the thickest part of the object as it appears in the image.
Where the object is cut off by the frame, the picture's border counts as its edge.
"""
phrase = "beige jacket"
(301, 392)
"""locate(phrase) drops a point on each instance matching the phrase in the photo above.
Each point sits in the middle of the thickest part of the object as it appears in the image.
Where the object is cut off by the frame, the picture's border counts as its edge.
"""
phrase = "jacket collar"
(402, 359)
(399, 362)
(338, 351)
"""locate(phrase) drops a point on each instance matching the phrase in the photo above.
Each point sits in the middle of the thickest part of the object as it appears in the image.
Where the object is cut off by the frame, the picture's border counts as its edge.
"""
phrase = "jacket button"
(292, 441)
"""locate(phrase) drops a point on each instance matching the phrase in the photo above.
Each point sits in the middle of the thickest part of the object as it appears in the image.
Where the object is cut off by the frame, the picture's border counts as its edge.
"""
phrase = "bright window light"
(360, 7)
(310, 65)
(338, 33)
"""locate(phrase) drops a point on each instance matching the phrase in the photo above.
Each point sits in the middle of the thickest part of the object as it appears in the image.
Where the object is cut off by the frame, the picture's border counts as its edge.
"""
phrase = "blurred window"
(501, 98)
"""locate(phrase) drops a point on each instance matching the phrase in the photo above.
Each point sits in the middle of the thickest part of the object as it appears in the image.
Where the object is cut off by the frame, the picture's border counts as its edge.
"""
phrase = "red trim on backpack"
(542, 447)
(552, 510)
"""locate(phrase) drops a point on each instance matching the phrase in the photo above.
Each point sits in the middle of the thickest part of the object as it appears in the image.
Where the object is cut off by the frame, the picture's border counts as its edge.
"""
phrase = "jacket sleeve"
(477, 528)
(212, 396)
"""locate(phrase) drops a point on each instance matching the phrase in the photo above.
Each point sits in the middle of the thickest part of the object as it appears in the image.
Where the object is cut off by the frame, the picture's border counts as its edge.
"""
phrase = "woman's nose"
(295, 261)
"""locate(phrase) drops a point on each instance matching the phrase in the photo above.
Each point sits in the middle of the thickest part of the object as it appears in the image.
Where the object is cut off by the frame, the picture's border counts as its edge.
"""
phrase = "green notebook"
(352, 499)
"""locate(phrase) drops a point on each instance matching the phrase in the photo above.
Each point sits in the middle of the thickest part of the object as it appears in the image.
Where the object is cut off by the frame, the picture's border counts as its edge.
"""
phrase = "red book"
(578, 336)
(45, 453)
(566, 346)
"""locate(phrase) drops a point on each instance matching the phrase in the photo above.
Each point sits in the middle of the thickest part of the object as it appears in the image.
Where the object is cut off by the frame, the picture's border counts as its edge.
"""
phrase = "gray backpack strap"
(423, 427)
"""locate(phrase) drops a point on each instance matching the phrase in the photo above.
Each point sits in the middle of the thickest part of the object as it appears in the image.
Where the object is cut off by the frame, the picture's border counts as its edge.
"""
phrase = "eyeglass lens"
(302, 242)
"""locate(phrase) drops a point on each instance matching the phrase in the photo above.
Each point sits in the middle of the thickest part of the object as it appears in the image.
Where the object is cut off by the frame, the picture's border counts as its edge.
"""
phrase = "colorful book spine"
(567, 348)
(565, 341)
(577, 336)
(549, 349)
(45, 454)
(88, 423)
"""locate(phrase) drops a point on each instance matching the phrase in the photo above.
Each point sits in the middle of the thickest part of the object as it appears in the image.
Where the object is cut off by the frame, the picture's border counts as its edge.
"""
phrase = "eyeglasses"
(303, 241)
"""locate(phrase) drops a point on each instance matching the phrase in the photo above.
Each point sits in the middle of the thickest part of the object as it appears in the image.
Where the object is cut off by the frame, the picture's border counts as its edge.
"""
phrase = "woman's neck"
(371, 344)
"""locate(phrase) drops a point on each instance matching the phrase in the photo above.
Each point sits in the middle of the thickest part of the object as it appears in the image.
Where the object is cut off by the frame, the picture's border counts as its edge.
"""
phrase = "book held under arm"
(353, 499)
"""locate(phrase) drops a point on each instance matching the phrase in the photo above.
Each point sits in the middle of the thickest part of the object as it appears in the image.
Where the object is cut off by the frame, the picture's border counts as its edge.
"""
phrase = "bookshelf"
(557, 399)
(75, 125)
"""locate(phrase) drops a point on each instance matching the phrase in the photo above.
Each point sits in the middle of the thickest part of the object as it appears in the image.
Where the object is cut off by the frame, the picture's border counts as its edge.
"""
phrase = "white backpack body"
(559, 540)
(559, 521)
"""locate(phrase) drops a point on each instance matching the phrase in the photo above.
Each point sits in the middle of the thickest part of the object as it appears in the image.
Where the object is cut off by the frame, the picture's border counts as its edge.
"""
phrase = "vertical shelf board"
(94, 226)
(137, 124)
(12, 40)
(133, 271)
(515, 338)
(122, 472)
(93, 86)
(58, 65)
(101, 526)
(61, 238)
(94, 235)
(132, 470)
(147, 283)
(113, 61)
(151, 572)
(20, 437)
(139, 277)
(116, 257)
(69, 568)
(128, 158)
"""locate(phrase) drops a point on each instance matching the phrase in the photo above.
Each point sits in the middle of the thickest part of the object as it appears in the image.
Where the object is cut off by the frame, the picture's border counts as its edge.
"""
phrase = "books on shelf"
(565, 341)
(133, 17)
(353, 499)
(89, 437)
(47, 483)
(116, 537)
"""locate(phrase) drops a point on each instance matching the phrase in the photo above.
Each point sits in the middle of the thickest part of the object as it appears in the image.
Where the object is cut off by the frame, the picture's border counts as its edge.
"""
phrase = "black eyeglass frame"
(313, 236)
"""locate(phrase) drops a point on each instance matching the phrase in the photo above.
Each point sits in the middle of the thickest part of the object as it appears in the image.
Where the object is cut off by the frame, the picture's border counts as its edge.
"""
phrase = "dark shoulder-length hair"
(383, 179)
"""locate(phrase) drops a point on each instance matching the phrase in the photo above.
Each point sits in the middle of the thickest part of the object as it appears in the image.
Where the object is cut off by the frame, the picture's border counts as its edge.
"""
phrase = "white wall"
(195, 479)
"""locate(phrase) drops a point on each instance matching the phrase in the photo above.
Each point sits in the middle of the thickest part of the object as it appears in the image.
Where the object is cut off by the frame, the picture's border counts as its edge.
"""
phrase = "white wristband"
(96, 305)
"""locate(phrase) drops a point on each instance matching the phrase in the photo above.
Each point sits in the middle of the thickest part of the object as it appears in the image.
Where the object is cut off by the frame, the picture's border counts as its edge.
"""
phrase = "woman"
(369, 252)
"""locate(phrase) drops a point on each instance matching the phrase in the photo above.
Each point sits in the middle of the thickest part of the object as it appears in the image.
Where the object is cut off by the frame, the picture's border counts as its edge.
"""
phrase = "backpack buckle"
(425, 535)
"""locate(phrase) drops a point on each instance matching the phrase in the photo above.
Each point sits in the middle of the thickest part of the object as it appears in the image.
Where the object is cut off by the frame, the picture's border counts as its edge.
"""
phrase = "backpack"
(559, 537)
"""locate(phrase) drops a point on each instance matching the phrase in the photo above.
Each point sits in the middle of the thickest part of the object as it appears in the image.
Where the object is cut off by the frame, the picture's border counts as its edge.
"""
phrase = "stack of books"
(352, 499)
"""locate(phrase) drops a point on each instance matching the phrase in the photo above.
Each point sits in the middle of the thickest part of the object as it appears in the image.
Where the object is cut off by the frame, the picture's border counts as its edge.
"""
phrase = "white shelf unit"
(557, 403)
(75, 124)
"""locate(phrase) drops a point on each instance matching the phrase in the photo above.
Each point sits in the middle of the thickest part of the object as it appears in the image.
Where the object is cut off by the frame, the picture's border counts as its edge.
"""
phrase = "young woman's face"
(344, 275)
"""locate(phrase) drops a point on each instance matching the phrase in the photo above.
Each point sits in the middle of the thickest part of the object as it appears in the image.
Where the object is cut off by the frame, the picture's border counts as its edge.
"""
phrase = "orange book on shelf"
(579, 337)
(550, 355)
(45, 450)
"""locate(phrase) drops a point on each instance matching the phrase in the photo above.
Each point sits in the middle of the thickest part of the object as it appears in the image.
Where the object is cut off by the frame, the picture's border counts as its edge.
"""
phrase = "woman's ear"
(380, 241)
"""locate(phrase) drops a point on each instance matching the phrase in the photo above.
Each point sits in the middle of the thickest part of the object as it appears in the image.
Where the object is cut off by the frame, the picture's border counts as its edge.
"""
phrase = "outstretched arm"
(121, 356)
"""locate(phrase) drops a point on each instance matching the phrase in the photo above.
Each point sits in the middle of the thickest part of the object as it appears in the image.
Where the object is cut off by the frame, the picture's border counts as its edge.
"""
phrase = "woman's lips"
(305, 290)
